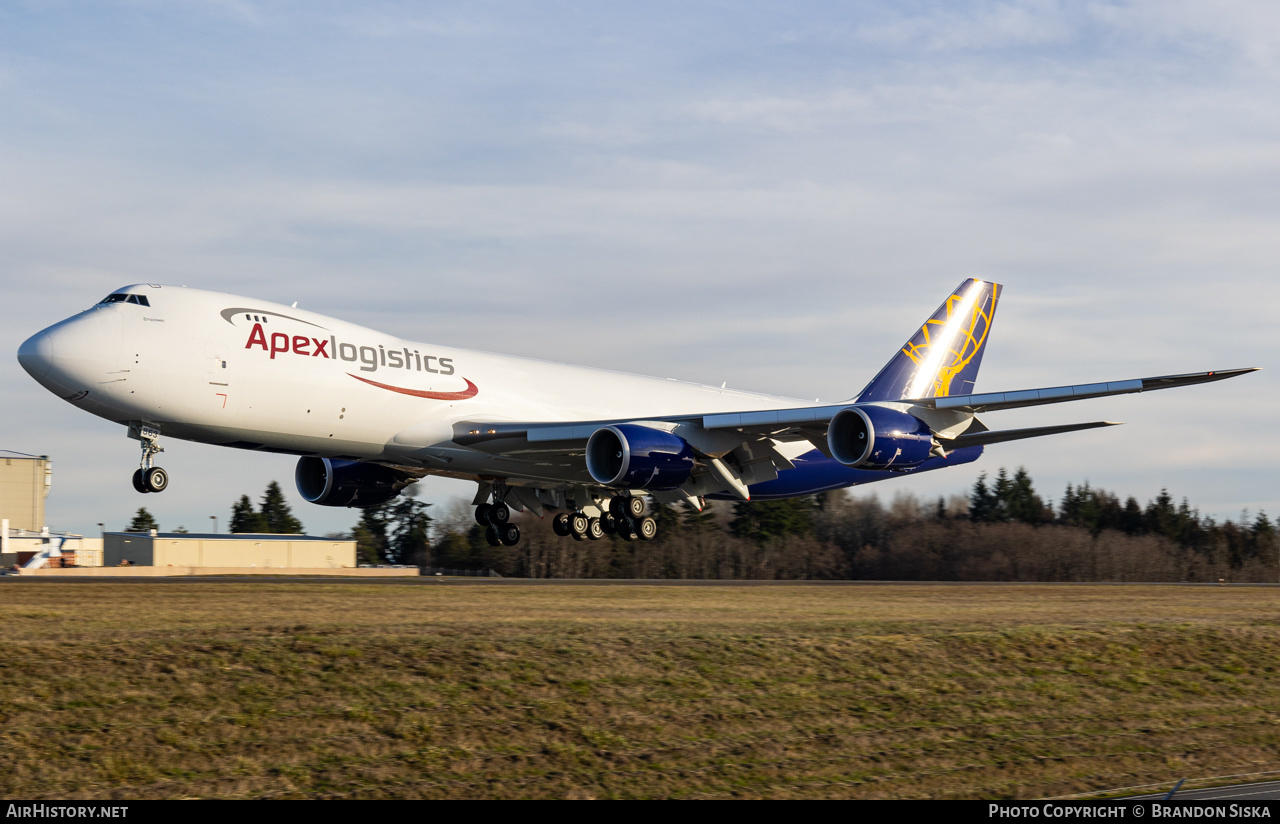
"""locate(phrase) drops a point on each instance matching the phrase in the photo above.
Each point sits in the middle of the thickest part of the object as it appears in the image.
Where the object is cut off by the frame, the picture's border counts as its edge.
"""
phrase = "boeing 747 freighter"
(368, 413)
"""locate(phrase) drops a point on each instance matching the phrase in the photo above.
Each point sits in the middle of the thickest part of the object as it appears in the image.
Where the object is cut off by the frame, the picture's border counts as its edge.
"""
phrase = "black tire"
(155, 479)
(609, 523)
(627, 529)
(618, 507)
(482, 514)
(510, 535)
(499, 514)
(137, 482)
(491, 535)
(595, 531)
(635, 507)
(647, 528)
(560, 525)
(578, 524)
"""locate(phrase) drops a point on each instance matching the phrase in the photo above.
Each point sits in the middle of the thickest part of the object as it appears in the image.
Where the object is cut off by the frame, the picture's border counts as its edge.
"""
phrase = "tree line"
(1001, 530)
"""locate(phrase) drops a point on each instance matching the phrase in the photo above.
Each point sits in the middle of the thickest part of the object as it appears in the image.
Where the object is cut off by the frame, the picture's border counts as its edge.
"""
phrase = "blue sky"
(764, 193)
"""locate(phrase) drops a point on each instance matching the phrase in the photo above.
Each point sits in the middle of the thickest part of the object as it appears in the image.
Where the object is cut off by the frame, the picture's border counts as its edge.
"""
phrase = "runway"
(560, 582)
(1260, 791)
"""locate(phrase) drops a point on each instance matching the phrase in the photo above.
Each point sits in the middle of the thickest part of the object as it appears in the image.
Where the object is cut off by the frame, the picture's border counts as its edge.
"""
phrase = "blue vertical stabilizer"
(942, 358)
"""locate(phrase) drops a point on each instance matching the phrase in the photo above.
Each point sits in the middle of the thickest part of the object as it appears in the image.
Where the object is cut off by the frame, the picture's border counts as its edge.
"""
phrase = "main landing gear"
(625, 517)
(147, 477)
(496, 519)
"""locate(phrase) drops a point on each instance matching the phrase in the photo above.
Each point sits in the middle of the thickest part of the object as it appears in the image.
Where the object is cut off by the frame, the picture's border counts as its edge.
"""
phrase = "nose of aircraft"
(36, 354)
(74, 355)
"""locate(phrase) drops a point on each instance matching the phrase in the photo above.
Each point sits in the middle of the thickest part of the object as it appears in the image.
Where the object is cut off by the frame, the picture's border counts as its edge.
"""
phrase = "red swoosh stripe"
(469, 392)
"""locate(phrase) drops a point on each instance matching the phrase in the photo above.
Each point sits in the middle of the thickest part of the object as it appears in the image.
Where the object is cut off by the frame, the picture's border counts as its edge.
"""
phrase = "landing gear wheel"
(155, 479)
(578, 524)
(618, 507)
(595, 531)
(499, 514)
(510, 535)
(137, 481)
(627, 529)
(648, 528)
(482, 514)
(609, 523)
(560, 525)
(492, 535)
(635, 507)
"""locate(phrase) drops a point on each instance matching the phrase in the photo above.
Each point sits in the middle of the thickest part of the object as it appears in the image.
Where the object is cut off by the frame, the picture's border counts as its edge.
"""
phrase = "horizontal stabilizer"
(984, 438)
(1059, 394)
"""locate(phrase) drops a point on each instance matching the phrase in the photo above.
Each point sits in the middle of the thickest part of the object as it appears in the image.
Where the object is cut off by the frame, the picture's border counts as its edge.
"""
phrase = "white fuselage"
(223, 369)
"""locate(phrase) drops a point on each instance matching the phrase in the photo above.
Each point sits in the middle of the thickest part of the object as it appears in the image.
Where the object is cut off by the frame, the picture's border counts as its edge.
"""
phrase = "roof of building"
(9, 453)
(229, 536)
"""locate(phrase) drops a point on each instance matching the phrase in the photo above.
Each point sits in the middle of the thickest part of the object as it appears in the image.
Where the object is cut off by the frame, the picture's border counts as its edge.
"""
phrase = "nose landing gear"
(148, 477)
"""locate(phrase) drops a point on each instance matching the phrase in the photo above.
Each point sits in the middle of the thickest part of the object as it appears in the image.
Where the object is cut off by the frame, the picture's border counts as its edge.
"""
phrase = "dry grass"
(334, 690)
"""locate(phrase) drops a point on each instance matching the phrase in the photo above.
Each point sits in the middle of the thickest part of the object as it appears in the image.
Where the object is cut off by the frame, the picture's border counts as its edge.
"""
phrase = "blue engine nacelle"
(873, 437)
(332, 482)
(637, 457)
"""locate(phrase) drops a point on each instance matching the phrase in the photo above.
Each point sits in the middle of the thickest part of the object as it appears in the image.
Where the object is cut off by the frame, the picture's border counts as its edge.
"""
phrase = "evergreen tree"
(1021, 503)
(409, 540)
(693, 520)
(761, 520)
(982, 502)
(373, 543)
(181, 530)
(1002, 493)
(276, 516)
(1161, 517)
(142, 522)
(667, 517)
(244, 519)
(1131, 520)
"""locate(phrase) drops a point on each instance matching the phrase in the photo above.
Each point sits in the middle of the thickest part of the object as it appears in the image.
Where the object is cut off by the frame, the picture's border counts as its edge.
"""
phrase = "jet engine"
(332, 482)
(873, 437)
(637, 457)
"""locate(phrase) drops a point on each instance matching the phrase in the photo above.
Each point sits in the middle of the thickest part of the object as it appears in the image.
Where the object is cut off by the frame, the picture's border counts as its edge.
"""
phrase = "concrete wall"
(88, 551)
(232, 551)
(23, 487)
(174, 571)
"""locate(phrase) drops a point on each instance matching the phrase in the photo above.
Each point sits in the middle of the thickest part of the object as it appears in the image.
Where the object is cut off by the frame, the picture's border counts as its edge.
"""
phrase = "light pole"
(214, 518)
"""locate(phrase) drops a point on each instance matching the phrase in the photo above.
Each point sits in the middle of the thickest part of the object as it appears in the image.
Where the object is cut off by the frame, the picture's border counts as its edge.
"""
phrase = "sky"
(770, 194)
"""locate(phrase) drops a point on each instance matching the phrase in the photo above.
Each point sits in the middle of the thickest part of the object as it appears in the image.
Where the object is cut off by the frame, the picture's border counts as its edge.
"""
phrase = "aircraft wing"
(810, 422)
(1059, 394)
(553, 451)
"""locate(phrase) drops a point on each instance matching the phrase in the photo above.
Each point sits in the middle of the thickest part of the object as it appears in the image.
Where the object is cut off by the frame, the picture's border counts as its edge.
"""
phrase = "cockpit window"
(121, 297)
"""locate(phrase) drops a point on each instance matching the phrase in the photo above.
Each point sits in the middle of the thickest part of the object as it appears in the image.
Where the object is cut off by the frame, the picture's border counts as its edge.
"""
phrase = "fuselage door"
(216, 371)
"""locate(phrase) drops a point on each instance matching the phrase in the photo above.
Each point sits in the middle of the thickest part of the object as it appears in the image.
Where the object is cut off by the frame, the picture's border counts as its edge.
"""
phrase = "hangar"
(25, 481)
(24, 484)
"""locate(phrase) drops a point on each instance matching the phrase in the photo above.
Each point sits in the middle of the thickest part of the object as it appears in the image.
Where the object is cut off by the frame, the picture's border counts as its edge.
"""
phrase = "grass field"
(177, 690)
